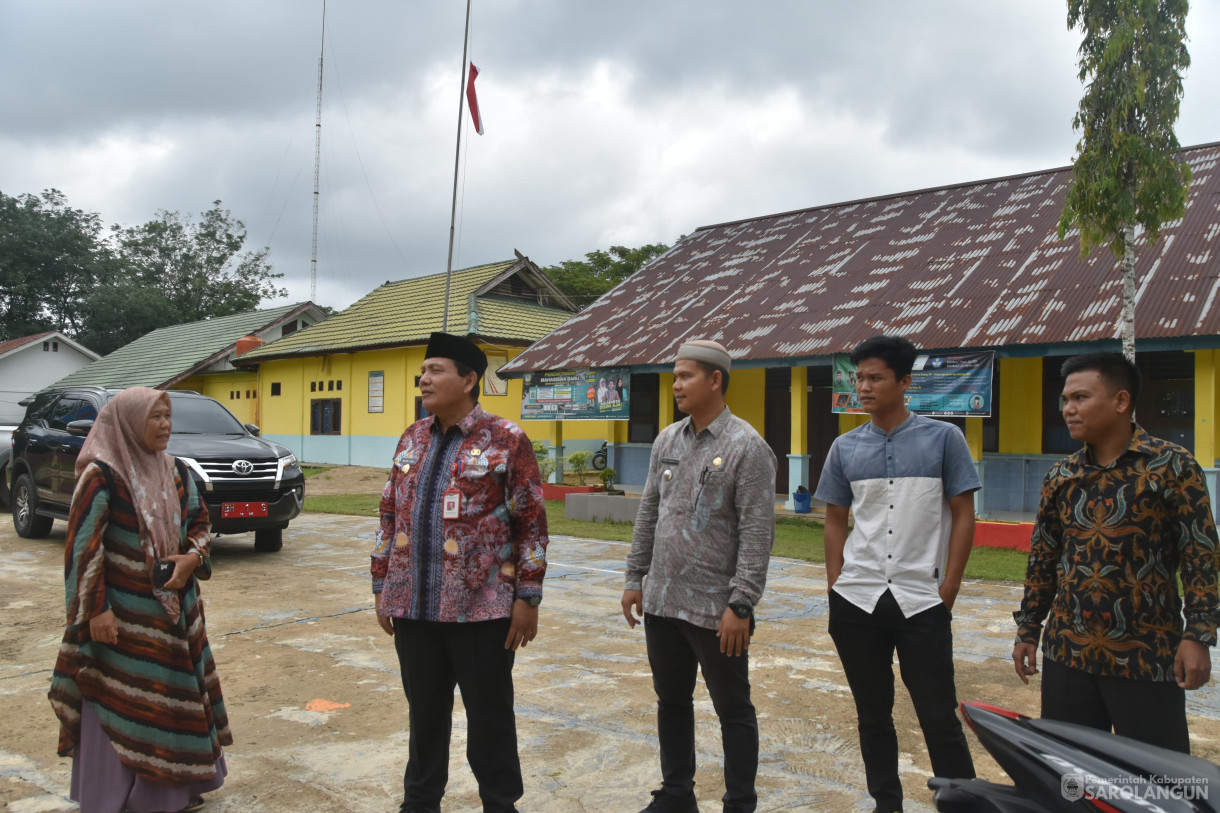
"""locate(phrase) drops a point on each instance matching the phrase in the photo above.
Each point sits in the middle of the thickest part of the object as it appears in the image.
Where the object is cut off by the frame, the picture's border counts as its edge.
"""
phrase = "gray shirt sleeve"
(960, 474)
(755, 503)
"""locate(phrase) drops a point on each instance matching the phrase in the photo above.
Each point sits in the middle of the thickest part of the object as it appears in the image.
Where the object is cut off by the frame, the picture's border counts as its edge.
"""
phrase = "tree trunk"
(1128, 270)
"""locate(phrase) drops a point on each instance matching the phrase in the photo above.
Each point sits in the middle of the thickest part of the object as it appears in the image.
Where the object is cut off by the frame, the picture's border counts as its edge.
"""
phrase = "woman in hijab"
(135, 686)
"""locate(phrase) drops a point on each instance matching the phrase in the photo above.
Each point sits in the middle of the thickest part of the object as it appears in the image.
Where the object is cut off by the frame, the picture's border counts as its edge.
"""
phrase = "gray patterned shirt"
(706, 523)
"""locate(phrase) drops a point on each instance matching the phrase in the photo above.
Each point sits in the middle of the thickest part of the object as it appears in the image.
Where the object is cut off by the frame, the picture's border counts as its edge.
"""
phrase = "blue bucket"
(802, 502)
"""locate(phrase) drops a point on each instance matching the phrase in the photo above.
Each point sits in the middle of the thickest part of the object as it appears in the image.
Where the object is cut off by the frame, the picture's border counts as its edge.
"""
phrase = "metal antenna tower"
(317, 164)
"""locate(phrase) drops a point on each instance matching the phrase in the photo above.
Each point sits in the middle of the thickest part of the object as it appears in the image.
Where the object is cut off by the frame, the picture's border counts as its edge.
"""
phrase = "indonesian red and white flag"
(472, 101)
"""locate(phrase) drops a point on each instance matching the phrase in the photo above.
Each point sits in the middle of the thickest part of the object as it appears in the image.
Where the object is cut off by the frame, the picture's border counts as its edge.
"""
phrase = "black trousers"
(924, 642)
(434, 657)
(676, 651)
(1149, 711)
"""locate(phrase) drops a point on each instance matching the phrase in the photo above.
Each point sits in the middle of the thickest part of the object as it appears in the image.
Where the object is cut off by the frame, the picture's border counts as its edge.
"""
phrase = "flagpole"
(456, 162)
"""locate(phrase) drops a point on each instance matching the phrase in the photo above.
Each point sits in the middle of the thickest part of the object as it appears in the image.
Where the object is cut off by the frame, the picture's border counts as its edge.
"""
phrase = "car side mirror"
(252, 429)
(79, 428)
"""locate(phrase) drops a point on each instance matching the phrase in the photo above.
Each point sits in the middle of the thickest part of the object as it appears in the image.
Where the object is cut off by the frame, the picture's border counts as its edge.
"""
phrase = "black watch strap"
(741, 610)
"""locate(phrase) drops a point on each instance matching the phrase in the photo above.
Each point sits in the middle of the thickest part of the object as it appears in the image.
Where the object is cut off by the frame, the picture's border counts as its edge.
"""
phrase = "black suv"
(248, 484)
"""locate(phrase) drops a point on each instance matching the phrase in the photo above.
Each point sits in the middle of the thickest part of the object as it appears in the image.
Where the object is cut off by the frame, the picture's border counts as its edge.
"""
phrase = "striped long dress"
(155, 692)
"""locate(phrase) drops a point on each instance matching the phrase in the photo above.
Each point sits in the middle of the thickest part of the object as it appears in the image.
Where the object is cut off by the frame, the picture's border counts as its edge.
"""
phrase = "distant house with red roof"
(31, 363)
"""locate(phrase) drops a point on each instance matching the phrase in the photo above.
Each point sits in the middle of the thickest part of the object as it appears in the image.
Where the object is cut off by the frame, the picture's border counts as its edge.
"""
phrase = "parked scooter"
(1064, 767)
(598, 461)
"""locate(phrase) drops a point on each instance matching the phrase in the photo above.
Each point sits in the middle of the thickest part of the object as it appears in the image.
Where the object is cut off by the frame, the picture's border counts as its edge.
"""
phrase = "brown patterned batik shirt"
(1106, 546)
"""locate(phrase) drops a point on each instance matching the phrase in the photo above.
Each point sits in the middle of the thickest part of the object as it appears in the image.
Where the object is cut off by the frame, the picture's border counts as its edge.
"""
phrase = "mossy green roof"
(164, 355)
(406, 312)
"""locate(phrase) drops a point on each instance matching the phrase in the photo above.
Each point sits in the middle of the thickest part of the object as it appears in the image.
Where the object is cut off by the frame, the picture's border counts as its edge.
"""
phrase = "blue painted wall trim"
(630, 462)
(373, 450)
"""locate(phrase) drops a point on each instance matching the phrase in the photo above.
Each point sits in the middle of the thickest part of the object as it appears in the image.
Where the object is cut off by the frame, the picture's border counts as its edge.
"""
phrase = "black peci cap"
(456, 348)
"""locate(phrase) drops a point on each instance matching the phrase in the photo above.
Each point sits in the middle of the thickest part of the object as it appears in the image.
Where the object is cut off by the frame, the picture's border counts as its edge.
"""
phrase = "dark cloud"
(626, 122)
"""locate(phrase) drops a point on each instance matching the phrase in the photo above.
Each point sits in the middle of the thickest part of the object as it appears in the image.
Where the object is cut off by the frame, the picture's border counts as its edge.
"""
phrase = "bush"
(579, 461)
(546, 463)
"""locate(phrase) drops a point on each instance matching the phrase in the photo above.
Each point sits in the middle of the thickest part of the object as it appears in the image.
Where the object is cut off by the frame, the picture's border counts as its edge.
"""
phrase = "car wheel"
(269, 541)
(26, 522)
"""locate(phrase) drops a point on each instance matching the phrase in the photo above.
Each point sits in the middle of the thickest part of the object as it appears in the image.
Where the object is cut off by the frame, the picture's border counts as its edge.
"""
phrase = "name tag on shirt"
(452, 504)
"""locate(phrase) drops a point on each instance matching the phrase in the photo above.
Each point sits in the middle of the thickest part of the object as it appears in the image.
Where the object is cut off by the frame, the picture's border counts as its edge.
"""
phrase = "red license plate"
(236, 510)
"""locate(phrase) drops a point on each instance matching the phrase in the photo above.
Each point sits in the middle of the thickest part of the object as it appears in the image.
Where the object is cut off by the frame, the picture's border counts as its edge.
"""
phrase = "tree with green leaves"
(198, 267)
(51, 257)
(583, 281)
(60, 271)
(1126, 172)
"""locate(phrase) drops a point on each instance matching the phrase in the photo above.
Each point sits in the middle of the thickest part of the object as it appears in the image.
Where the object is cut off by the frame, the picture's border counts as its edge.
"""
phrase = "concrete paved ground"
(320, 721)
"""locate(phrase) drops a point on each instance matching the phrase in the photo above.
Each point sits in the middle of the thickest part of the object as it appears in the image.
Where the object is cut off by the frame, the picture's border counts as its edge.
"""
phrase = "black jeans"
(676, 650)
(924, 642)
(433, 658)
(1149, 711)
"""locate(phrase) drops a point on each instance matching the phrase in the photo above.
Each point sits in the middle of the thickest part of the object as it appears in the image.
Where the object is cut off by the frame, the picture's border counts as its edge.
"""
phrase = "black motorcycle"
(598, 461)
(1058, 766)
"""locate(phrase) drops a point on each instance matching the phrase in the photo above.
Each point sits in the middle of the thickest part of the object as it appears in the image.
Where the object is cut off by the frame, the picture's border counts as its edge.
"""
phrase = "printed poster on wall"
(376, 391)
(492, 383)
(956, 385)
(577, 395)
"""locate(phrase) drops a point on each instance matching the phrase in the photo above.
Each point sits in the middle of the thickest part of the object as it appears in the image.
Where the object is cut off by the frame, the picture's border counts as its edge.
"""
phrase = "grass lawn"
(794, 538)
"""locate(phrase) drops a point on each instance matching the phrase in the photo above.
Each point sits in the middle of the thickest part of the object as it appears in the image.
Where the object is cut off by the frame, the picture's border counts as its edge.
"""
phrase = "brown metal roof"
(972, 265)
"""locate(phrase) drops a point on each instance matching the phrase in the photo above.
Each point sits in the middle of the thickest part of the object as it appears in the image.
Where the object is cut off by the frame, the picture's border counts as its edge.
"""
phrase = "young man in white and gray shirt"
(910, 483)
(696, 570)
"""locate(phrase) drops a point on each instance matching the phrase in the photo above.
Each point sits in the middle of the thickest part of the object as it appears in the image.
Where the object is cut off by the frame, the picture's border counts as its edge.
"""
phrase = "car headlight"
(290, 460)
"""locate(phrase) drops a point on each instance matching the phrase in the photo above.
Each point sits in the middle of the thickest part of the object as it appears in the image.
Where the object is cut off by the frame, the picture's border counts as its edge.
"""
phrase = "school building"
(975, 266)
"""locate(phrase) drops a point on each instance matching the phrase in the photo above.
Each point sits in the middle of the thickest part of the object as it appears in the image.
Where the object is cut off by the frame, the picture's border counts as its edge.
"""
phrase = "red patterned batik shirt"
(1106, 548)
(470, 567)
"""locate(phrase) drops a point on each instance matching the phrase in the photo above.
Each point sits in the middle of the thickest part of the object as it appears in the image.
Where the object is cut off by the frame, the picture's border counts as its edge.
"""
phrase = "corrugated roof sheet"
(972, 265)
(406, 312)
(158, 358)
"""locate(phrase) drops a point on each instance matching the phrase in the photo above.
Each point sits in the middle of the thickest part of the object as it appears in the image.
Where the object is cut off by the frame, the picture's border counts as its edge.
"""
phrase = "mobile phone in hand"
(162, 572)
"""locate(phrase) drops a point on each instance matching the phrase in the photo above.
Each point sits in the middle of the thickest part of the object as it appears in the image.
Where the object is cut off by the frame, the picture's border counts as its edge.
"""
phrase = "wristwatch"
(533, 601)
(741, 610)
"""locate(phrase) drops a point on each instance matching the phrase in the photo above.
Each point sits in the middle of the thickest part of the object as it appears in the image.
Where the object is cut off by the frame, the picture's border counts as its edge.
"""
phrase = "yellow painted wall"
(230, 389)
(1020, 407)
(974, 437)
(745, 397)
(321, 371)
(396, 379)
(850, 420)
(666, 405)
(282, 414)
(288, 413)
(800, 410)
(1207, 406)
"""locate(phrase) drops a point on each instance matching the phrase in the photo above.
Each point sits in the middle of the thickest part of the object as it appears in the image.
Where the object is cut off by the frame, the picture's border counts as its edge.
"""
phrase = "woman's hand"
(104, 628)
(184, 568)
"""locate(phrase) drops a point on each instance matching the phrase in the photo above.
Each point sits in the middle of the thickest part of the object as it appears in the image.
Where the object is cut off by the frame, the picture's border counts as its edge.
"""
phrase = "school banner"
(949, 385)
(577, 395)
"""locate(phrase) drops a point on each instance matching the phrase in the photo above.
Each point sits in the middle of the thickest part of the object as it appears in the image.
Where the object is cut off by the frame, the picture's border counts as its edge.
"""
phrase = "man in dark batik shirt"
(1118, 521)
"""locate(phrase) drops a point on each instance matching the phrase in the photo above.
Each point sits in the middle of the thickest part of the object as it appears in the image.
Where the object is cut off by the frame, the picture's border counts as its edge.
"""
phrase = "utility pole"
(456, 163)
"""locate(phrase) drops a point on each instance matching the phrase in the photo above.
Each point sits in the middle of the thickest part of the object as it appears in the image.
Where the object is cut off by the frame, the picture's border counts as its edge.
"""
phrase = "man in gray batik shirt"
(697, 568)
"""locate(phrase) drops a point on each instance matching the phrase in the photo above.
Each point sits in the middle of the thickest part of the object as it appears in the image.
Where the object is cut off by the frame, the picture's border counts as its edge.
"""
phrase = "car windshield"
(203, 416)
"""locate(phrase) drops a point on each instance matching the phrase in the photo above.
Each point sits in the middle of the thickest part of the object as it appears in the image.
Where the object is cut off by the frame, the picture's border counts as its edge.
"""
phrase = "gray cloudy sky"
(623, 122)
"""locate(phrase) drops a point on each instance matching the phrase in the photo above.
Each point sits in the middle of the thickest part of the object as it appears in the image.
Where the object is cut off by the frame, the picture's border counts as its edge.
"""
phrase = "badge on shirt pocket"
(406, 459)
